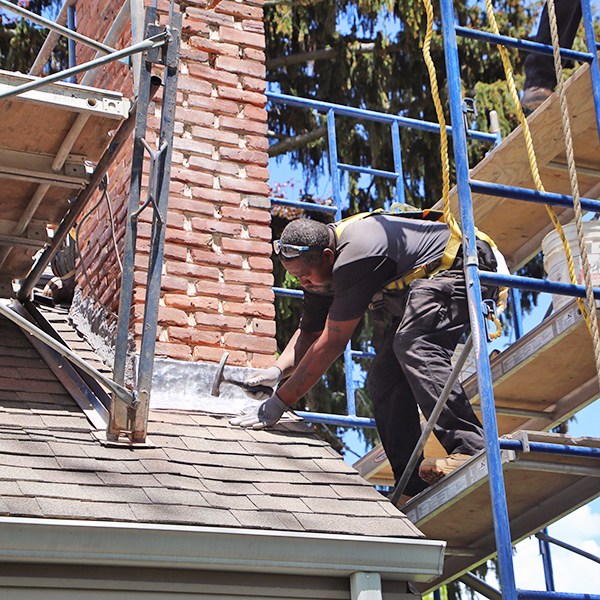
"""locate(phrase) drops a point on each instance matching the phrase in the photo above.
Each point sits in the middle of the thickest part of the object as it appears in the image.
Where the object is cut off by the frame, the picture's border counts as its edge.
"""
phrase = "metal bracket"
(488, 307)
(152, 181)
(469, 107)
(523, 437)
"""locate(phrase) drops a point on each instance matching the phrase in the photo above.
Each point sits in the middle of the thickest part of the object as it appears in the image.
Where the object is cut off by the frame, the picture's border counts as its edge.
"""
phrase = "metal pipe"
(433, 418)
(368, 171)
(339, 420)
(480, 586)
(72, 35)
(543, 536)
(371, 115)
(546, 561)
(536, 285)
(544, 448)
(71, 44)
(474, 300)
(399, 197)
(515, 193)
(535, 595)
(114, 33)
(527, 46)
(118, 390)
(592, 47)
(153, 42)
(50, 41)
(552, 467)
(331, 210)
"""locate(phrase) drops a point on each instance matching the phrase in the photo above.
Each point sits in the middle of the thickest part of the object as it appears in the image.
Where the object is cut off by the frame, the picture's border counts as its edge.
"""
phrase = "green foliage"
(21, 40)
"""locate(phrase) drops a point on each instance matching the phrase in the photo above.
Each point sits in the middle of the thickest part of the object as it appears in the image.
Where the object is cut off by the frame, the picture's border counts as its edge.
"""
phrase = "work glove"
(263, 415)
(265, 378)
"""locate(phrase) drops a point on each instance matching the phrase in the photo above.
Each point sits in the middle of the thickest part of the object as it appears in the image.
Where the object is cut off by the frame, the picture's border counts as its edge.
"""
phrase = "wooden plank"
(514, 224)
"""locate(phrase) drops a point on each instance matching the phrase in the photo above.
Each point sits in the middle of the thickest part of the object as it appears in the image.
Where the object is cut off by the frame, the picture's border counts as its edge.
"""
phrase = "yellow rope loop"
(531, 154)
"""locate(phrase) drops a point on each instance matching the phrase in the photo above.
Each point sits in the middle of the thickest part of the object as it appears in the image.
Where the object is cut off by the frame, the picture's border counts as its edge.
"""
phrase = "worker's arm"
(294, 352)
(317, 358)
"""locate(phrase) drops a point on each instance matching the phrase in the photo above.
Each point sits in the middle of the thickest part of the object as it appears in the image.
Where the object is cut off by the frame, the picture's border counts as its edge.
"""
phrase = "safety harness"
(422, 271)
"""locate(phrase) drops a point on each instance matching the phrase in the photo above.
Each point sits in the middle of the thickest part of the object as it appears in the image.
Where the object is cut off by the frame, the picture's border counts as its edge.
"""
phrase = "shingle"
(193, 515)
(21, 420)
(229, 433)
(20, 507)
(183, 497)
(59, 507)
(179, 418)
(16, 473)
(240, 460)
(19, 460)
(345, 507)
(65, 423)
(165, 466)
(129, 479)
(12, 446)
(79, 477)
(277, 463)
(78, 464)
(179, 482)
(233, 488)
(334, 465)
(65, 449)
(265, 502)
(112, 511)
(262, 519)
(214, 446)
(9, 488)
(229, 502)
(297, 491)
(358, 492)
(333, 478)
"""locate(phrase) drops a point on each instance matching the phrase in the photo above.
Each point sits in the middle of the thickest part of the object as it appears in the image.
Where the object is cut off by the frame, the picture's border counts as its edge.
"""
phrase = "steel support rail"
(371, 115)
(543, 448)
(534, 595)
(474, 299)
(330, 210)
(340, 420)
(544, 537)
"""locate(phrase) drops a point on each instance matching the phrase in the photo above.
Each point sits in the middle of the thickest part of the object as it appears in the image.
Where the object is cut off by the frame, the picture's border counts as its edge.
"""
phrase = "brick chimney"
(217, 273)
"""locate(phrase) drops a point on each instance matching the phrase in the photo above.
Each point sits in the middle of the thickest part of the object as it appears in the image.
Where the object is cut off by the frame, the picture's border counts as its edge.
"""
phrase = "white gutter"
(223, 549)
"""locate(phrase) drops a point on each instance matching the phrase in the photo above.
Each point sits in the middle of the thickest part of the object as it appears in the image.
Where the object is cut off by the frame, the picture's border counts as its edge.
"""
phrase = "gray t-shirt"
(370, 253)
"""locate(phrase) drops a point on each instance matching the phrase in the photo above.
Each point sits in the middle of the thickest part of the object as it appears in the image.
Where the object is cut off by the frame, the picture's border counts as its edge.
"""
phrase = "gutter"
(223, 549)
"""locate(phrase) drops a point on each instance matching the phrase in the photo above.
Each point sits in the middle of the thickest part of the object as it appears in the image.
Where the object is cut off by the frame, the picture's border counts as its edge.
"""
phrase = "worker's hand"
(268, 378)
(263, 415)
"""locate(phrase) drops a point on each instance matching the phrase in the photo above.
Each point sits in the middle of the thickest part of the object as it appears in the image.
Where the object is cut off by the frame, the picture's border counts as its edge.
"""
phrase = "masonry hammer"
(220, 378)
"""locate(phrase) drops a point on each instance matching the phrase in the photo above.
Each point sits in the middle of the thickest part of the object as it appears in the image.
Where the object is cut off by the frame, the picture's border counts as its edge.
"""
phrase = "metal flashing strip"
(189, 547)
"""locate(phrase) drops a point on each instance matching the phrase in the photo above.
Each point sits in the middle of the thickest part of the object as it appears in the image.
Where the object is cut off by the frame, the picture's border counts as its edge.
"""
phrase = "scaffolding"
(42, 188)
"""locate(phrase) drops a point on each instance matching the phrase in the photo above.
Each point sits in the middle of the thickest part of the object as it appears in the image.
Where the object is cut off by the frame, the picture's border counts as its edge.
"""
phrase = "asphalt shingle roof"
(199, 470)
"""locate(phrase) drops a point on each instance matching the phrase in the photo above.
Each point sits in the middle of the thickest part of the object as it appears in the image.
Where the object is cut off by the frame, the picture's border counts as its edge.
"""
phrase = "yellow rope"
(448, 216)
(592, 321)
(532, 158)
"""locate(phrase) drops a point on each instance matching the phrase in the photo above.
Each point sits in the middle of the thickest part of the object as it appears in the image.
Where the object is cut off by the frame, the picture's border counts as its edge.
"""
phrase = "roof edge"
(226, 549)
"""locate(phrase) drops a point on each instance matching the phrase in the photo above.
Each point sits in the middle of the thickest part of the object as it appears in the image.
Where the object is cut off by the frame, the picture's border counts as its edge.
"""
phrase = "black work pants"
(414, 363)
(539, 69)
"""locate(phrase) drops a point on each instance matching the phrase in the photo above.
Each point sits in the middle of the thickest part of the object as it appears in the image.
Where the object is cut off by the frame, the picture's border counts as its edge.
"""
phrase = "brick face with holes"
(216, 290)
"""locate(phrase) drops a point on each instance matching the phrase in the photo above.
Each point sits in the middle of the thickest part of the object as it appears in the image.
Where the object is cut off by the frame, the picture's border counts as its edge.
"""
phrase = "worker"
(387, 259)
(540, 74)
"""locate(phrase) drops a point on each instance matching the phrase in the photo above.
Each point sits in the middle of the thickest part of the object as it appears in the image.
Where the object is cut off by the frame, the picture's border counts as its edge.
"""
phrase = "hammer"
(220, 378)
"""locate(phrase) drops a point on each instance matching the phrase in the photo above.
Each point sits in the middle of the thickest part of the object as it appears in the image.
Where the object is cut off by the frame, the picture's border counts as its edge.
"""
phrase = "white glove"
(267, 378)
(263, 415)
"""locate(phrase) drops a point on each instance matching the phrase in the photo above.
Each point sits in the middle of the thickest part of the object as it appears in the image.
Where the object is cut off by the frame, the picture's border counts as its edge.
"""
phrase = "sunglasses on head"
(291, 251)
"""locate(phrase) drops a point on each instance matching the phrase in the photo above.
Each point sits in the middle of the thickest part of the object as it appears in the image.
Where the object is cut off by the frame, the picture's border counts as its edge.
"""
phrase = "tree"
(21, 40)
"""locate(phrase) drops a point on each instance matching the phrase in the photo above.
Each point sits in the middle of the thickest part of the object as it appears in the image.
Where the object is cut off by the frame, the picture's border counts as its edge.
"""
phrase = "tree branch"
(293, 143)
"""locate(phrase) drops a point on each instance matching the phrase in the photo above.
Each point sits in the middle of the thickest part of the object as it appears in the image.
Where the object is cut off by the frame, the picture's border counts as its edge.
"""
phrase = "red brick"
(172, 316)
(254, 172)
(238, 124)
(239, 9)
(256, 113)
(221, 290)
(191, 206)
(253, 54)
(198, 56)
(254, 85)
(195, 26)
(257, 142)
(211, 354)
(214, 105)
(220, 48)
(262, 361)
(260, 232)
(243, 67)
(209, 16)
(250, 343)
(248, 277)
(191, 84)
(182, 301)
(192, 270)
(189, 238)
(245, 246)
(244, 156)
(254, 26)
(263, 327)
(220, 321)
(224, 196)
(249, 186)
(230, 34)
(207, 73)
(216, 135)
(262, 294)
(213, 166)
(259, 263)
(212, 258)
(217, 226)
(176, 284)
(247, 215)
(241, 96)
(196, 177)
(195, 336)
(175, 351)
(254, 309)
(189, 145)
(196, 117)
